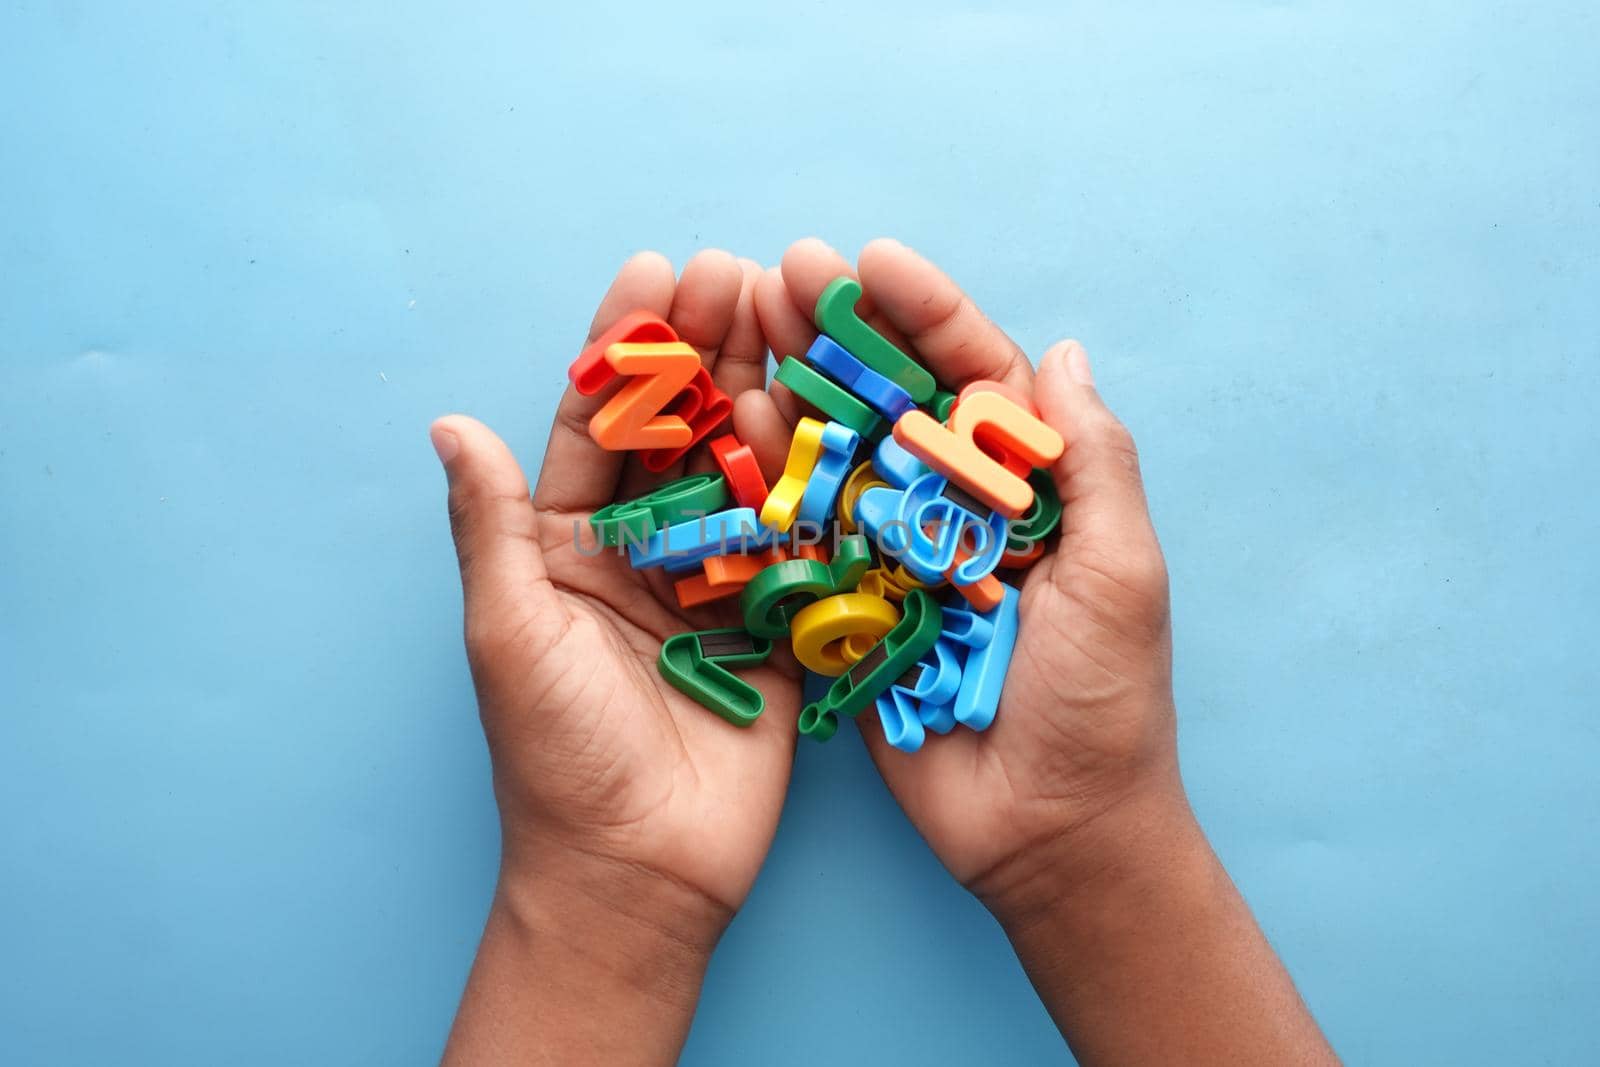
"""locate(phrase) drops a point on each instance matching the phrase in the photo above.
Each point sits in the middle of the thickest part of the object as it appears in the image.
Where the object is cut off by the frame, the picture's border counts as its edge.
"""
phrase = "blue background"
(1337, 265)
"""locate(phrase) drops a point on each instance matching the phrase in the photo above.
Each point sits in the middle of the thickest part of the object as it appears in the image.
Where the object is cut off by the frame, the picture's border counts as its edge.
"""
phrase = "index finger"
(959, 343)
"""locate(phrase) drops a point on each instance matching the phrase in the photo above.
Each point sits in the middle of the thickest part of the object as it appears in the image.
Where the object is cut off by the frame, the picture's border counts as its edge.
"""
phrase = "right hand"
(605, 774)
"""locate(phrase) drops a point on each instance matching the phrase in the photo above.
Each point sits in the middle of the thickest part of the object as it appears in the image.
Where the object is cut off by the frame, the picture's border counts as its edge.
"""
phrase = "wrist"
(614, 918)
(584, 960)
(1142, 949)
(1143, 834)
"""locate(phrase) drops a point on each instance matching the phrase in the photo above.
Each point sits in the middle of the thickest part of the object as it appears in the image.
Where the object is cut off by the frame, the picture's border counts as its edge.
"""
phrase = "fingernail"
(1078, 365)
(445, 443)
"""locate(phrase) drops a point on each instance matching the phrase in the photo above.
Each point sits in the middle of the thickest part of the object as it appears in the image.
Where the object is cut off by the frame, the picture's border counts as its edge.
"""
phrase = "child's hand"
(1085, 728)
(1067, 817)
(633, 819)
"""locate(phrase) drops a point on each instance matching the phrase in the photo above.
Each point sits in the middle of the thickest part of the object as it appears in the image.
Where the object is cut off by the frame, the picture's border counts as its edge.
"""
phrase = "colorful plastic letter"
(889, 584)
(783, 502)
(861, 479)
(636, 417)
(1043, 516)
(877, 514)
(899, 716)
(697, 590)
(960, 631)
(853, 646)
(738, 465)
(636, 519)
(908, 581)
(940, 518)
(820, 631)
(699, 404)
(835, 315)
(773, 597)
(882, 395)
(828, 473)
(697, 662)
(880, 668)
(737, 570)
(723, 577)
(921, 697)
(1012, 462)
(827, 397)
(940, 718)
(958, 454)
(983, 594)
(703, 407)
(685, 545)
(897, 466)
(984, 673)
(876, 582)
(970, 629)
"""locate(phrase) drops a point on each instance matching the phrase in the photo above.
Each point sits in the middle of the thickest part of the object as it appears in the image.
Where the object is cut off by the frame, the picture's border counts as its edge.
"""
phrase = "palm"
(637, 764)
(1054, 754)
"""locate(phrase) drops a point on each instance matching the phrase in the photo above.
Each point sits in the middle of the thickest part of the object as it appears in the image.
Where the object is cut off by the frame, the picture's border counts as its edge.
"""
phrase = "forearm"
(1151, 955)
(584, 963)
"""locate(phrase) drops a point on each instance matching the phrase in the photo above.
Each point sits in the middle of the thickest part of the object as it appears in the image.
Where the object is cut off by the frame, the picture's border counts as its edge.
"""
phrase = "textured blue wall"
(1338, 267)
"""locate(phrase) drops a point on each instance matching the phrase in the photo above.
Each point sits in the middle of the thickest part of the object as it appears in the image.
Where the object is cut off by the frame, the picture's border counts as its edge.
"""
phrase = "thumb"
(494, 524)
(1102, 493)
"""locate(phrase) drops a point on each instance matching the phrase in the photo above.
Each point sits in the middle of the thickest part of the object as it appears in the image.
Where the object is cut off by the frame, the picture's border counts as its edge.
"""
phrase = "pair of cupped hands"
(614, 785)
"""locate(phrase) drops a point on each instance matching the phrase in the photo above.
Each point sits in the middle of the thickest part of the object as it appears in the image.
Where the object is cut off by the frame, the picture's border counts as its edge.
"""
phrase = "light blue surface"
(1337, 265)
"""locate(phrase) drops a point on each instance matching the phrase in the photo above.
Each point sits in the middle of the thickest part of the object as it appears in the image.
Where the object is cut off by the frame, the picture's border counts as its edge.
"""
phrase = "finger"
(742, 363)
(809, 265)
(958, 342)
(789, 332)
(758, 423)
(578, 475)
(787, 403)
(1102, 493)
(492, 519)
(785, 299)
(707, 297)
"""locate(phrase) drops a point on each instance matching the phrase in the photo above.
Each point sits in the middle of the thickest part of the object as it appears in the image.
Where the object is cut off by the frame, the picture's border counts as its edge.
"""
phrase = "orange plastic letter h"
(957, 452)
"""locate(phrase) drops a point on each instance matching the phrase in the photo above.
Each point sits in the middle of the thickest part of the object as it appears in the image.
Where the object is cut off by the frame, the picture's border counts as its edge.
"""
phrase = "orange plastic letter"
(983, 418)
(1009, 460)
(984, 594)
(634, 418)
